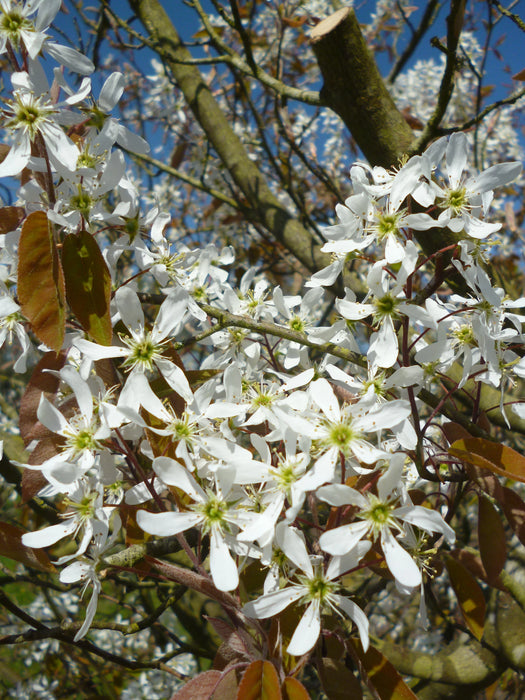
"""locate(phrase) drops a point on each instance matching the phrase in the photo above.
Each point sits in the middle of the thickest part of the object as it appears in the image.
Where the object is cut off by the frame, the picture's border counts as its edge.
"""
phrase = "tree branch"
(354, 89)
(266, 207)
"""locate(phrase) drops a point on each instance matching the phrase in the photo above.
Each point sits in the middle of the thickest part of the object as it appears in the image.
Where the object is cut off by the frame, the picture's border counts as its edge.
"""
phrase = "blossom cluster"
(297, 439)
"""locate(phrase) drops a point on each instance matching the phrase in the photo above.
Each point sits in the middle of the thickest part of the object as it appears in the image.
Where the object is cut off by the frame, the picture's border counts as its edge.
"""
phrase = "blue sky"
(511, 48)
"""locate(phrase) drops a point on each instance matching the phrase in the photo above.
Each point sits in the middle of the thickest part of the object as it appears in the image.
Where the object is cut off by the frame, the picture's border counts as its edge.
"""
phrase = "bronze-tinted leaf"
(11, 546)
(471, 560)
(32, 482)
(237, 642)
(486, 479)
(494, 456)
(294, 690)
(455, 431)
(381, 675)
(41, 382)
(469, 595)
(11, 218)
(491, 538)
(201, 687)
(338, 681)
(514, 509)
(41, 281)
(227, 687)
(260, 682)
(88, 285)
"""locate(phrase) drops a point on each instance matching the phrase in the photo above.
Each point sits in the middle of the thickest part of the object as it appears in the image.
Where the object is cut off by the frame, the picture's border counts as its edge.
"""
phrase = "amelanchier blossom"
(30, 116)
(315, 588)
(240, 433)
(143, 349)
(211, 512)
(379, 516)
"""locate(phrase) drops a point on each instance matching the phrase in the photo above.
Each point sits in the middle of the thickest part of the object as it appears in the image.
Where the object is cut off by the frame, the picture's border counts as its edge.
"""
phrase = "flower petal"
(355, 613)
(273, 603)
(163, 524)
(403, 567)
(307, 631)
(223, 568)
(342, 539)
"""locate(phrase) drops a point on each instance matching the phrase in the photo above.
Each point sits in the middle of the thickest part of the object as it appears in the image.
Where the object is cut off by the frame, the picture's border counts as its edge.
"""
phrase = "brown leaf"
(514, 509)
(455, 431)
(381, 675)
(228, 686)
(41, 281)
(469, 595)
(491, 538)
(260, 682)
(201, 687)
(338, 681)
(486, 480)
(32, 482)
(88, 285)
(11, 546)
(470, 560)
(520, 75)
(11, 218)
(496, 457)
(41, 382)
(236, 639)
(293, 689)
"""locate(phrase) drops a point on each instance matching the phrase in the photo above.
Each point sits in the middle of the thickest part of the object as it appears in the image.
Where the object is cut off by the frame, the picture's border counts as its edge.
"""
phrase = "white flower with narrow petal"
(85, 570)
(85, 513)
(11, 323)
(386, 302)
(464, 198)
(378, 516)
(17, 29)
(143, 348)
(30, 115)
(316, 589)
(344, 239)
(342, 431)
(281, 484)
(83, 433)
(210, 512)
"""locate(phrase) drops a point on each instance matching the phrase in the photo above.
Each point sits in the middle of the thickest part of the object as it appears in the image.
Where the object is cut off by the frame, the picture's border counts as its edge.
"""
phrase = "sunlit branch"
(514, 17)
(454, 24)
(429, 15)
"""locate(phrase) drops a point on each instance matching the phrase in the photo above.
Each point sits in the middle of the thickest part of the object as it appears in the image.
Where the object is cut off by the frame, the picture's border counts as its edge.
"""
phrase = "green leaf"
(294, 690)
(494, 456)
(260, 682)
(88, 285)
(381, 675)
(40, 283)
(491, 538)
(469, 595)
